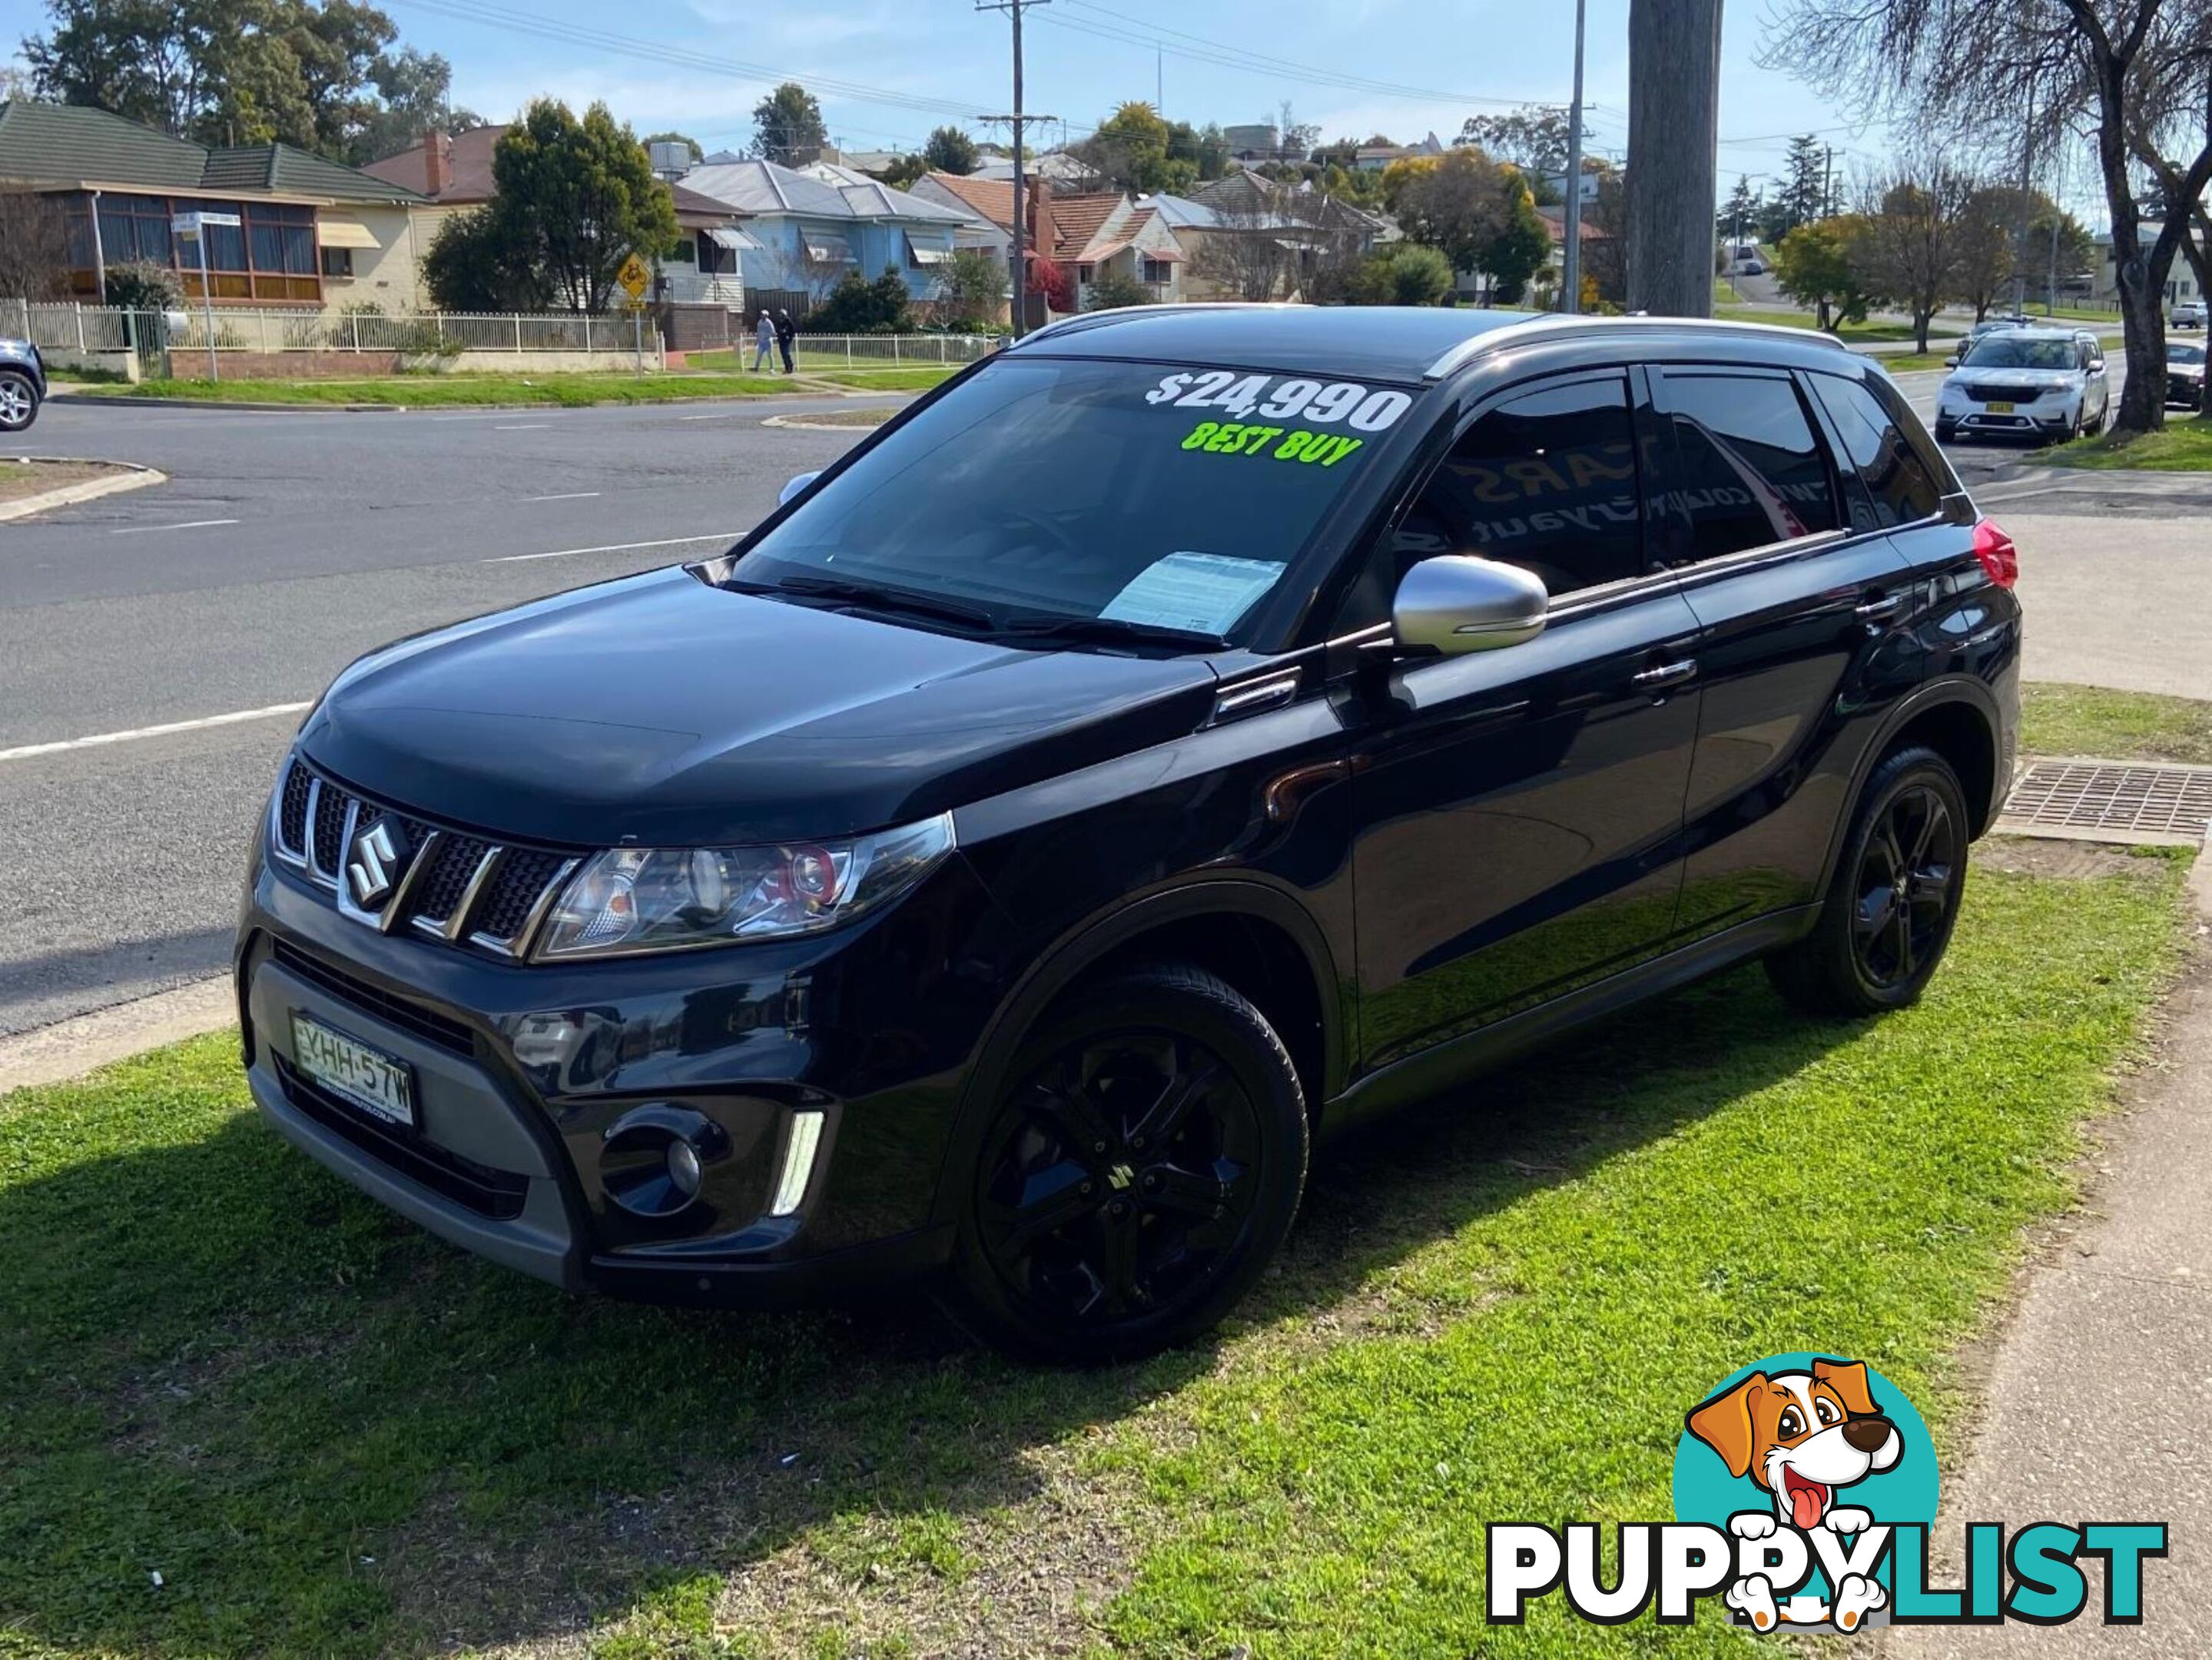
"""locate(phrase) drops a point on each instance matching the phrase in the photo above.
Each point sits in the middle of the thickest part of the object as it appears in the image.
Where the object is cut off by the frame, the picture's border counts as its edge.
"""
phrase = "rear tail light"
(1999, 557)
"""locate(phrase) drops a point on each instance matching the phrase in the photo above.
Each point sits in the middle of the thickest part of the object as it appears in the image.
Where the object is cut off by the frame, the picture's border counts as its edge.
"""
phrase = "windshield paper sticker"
(1204, 593)
(1278, 397)
(1230, 438)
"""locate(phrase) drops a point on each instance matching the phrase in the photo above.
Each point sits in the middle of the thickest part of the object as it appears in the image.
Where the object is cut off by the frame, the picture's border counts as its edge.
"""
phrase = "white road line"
(24, 752)
(614, 547)
(572, 495)
(190, 524)
(720, 415)
(526, 426)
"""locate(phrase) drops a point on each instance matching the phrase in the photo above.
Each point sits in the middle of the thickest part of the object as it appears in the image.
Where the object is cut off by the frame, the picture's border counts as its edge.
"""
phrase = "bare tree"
(34, 262)
(2136, 74)
(1242, 252)
(1913, 247)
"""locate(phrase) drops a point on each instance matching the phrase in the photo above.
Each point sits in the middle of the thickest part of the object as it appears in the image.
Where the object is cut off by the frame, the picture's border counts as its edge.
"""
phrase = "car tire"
(19, 401)
(1946, 433)
(1867, 953)
(1141, 1167)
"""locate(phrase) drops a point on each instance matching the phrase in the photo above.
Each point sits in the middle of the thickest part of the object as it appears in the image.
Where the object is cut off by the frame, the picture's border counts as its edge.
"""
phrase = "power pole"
(1570, 263)
(1673, 154)
(1014, 8)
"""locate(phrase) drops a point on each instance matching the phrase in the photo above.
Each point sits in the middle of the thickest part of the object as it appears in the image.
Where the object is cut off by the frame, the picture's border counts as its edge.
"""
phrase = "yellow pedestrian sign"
(635, 275)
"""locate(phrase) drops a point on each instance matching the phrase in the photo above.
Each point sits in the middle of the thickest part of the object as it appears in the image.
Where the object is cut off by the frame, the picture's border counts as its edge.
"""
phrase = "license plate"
(2000, 408)
(378, 1084)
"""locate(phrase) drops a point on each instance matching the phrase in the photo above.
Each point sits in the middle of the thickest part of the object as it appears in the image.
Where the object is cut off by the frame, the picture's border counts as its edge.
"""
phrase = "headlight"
(645, 899)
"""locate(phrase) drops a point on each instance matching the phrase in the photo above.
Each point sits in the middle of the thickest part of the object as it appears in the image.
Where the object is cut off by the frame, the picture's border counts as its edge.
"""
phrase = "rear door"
(1518, 816)
(1799, 597)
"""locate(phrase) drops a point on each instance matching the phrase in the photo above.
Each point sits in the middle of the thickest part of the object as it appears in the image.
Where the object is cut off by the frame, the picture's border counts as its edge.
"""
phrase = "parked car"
(2185, 315)
(1750, 265)
(2042, 383)
(2185, 373)
(23, 383)
(1191, 732)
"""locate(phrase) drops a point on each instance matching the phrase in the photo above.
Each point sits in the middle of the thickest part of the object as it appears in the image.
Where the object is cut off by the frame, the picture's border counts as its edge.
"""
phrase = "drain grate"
(2111, 801)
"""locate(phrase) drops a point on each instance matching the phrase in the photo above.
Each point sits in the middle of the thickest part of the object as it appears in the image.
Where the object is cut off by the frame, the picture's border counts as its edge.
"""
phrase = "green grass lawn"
(1864, 333)
(2182, 444)
(329, 1434)
(831, 367)
(447, 390)
(2119, 725)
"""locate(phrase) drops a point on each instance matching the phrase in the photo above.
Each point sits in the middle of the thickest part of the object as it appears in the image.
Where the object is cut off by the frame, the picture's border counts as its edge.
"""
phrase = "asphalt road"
(285, 545)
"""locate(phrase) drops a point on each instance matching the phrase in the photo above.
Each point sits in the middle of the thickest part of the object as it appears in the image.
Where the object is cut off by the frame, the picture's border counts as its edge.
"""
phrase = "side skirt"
(1420, 1076)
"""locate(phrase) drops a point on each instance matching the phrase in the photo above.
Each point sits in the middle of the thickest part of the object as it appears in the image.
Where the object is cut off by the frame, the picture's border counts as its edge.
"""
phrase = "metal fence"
(877, 351)
(71, 327)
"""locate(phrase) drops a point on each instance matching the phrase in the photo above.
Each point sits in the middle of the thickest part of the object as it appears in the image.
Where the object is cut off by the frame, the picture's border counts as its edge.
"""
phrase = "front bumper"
(530, 1080)
(2038, 420)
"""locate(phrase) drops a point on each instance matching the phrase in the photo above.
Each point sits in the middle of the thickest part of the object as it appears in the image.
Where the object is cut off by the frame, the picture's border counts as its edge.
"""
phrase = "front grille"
(504, 888)
(1997, 392)
(491, 1193)
(426, 1023)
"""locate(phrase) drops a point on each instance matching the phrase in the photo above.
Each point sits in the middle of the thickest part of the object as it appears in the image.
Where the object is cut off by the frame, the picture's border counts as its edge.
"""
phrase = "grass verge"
(2119, 725)
(2182, 444)
(327, 1433)
(890, 380)
(1806, 319)
(446, 392)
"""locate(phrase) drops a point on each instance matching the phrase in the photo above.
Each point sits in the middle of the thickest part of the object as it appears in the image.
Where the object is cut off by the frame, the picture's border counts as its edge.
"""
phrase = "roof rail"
(1126, 313)
(1513, 334)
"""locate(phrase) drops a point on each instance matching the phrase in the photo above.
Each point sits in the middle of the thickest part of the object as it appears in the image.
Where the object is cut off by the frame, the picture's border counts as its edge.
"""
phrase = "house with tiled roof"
(313, 233)
(1304, 227)
(1089, 234)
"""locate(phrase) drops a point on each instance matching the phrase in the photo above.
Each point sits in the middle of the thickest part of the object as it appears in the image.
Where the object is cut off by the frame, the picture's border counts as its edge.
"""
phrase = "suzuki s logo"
(375, 863)
(1120, 1178)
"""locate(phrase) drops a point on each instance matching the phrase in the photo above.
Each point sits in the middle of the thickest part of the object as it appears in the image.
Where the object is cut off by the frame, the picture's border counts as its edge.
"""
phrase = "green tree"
(1481, 214)
(950, 150)
(1131, 150)
(576, 198)
(971, 287)
(1803, 196)
(471, 265)
(1813, 264)
(1533, 138)
(1740, 215)
(788, 126)
(1404, 274)
(416, 90)
(338, 47)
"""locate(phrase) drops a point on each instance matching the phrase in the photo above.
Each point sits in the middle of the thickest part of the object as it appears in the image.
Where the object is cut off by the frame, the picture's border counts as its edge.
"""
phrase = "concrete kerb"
(68, 1048)
(132, 477)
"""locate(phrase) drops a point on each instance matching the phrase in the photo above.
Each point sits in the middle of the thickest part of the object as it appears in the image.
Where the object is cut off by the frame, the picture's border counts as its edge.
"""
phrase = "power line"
(1136, 32)
(512, 21)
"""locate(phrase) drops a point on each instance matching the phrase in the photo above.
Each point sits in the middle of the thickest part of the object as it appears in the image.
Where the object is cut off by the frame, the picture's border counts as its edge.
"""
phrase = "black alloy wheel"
(1907, 870)
(1142, 1167)
(1894, 901)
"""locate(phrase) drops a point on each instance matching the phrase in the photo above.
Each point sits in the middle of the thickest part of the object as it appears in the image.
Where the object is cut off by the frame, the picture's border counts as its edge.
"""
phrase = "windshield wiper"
(876, 597)
(1110, 629)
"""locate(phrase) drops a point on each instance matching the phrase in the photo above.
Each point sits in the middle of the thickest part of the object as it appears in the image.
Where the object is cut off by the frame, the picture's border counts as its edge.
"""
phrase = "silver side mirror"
(1951, 361)
(795, 483)
(1459, 603)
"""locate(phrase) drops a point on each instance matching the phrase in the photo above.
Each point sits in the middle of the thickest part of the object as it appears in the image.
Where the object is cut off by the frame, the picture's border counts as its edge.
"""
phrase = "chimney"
(434, 162)
(1043, 235)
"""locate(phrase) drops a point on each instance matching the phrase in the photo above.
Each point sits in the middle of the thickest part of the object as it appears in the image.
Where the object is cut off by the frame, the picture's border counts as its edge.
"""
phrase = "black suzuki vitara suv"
(1181, 736)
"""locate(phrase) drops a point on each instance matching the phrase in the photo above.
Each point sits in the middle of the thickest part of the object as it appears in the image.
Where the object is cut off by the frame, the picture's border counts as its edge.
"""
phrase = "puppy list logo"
(1805, 1488)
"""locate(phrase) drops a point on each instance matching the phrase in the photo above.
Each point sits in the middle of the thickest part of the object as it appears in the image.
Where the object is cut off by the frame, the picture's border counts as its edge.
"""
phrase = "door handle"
(1877, 609)
(1664, 674)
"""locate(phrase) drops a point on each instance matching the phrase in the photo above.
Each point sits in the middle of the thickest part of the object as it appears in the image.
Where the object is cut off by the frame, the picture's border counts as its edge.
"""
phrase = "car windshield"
(2178, 353)
(1146, 494)
(2017, 351)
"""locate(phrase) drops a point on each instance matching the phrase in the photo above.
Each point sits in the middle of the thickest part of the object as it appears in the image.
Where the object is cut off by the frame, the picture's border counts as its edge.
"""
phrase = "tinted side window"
(1545, 481)
(1747, 470)
(1899, 490)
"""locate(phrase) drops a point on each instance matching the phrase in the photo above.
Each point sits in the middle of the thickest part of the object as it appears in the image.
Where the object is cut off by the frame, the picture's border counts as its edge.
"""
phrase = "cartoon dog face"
(1800, 1435)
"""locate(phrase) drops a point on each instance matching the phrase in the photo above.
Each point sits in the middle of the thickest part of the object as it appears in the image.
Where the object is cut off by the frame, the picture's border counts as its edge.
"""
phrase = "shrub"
(142, 285)
(1112, 290)
(857, 305)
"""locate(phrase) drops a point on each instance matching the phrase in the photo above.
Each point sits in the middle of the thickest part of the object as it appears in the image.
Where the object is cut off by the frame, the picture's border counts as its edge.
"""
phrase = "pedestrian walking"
(763, 342)
(785, 332)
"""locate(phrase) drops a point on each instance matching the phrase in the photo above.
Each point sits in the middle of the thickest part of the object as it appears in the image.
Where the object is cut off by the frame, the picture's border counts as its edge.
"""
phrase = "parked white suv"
(2025, 383)
(2185, 315)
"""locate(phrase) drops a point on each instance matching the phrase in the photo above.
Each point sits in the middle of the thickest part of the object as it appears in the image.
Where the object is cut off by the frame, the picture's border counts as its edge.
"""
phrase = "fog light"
(798, 1162)
(684, 1167)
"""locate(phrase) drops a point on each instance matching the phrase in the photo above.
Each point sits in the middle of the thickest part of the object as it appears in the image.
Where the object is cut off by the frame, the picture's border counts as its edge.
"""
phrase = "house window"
(338, 264)
(1082, 273)
(270, 255)
(1157, 270)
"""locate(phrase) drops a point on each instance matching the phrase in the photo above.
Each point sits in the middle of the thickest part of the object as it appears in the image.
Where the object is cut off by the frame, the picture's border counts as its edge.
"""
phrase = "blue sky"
(907, 65)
